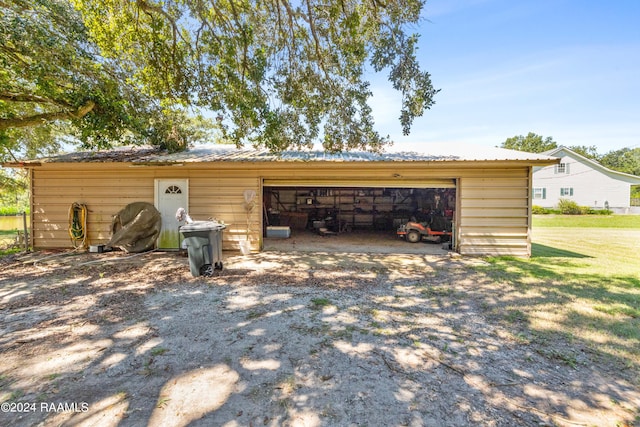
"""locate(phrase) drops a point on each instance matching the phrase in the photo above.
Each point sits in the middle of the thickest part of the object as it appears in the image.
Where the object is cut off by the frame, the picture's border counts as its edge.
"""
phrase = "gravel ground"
(282, 338)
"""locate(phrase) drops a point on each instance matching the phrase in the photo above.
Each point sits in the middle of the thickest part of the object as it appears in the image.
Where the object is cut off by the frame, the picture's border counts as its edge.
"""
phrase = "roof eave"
(20, 165)
(595, 164)
(495, 162)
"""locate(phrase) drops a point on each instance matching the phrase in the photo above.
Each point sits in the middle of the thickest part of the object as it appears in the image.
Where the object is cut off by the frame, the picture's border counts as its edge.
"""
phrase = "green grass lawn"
(588, 244)
(581, 285)
(587, 221)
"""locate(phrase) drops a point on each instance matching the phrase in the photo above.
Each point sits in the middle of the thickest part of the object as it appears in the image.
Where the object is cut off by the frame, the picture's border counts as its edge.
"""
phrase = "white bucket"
(245, 247)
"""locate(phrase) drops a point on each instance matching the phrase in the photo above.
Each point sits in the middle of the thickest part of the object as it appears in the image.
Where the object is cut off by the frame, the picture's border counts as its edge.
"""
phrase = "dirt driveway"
(331, 339)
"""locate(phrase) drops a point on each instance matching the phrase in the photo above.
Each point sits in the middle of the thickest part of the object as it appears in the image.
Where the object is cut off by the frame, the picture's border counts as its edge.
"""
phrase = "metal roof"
(230, 153)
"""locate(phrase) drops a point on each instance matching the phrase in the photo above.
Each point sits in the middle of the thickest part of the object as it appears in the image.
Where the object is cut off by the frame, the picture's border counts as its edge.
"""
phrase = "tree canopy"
(276, 73)
(531, 143)
(54, 77)
(624, 160)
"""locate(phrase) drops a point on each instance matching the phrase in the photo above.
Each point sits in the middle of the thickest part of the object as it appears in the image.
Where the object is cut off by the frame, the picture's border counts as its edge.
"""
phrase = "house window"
(568, 191)
(539, 193)
(562, 168)
(173, 189)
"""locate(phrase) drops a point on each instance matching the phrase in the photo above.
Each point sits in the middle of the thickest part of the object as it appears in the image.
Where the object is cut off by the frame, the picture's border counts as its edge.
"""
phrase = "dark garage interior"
(354, 212)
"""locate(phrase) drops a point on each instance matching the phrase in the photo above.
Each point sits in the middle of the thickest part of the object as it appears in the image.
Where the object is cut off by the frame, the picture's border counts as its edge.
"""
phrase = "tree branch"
(148, 8)
(21, 97)
(319, 56)
(13, 156)
(39, 119)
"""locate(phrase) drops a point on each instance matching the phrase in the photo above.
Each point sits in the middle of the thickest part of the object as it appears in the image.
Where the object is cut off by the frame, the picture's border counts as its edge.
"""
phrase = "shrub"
(600, 212)
(12, 210)
(539, 210)
(569, 207)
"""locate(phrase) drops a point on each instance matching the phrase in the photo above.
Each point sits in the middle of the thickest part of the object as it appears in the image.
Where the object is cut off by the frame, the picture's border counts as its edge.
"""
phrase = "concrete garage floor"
(383, 242)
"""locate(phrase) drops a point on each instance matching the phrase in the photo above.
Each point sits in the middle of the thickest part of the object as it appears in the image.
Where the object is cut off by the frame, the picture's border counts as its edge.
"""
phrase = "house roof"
(562, 151)
(230, 153)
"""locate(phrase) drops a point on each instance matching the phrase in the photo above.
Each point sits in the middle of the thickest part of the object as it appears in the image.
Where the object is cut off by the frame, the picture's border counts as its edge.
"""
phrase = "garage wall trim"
(369, 183)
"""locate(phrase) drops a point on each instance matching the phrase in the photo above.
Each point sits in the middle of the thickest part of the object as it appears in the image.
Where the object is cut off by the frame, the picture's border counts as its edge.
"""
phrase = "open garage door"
(358, 206)
(368, 183)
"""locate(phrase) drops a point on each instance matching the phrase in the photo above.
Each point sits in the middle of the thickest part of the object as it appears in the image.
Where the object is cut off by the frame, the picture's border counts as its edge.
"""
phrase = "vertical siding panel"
(222, 198)
(104, 194)
(495, 217)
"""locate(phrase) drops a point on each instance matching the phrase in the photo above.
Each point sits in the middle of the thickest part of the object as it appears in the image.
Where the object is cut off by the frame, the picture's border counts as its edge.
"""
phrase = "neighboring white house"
(582, 180)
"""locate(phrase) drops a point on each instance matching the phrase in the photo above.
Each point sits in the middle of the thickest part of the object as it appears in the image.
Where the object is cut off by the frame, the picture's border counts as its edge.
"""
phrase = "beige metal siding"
(107, 188)
(495, 215)
(492, 218)
(218, 195)
(54, 191)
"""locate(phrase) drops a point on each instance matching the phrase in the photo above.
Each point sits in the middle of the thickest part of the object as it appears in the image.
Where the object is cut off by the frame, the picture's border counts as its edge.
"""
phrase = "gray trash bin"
(204, 246)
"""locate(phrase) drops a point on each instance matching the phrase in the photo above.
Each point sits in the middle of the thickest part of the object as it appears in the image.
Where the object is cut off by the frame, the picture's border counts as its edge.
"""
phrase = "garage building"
(482, 195)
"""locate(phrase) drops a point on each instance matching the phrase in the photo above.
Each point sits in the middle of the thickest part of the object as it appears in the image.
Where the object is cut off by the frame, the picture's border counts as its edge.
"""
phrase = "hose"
(78, 224)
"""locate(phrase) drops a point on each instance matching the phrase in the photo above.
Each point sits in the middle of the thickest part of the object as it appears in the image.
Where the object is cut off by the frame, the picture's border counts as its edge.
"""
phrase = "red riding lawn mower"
(437, 230)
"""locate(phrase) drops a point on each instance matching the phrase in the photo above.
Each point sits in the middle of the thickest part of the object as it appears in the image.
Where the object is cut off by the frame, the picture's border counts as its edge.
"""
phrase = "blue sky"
(566, 69)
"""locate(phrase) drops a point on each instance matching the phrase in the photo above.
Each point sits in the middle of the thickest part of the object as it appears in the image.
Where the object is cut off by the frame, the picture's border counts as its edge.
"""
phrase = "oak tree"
(531, 143)
(275, 73)
(55, 85)
(625, 160)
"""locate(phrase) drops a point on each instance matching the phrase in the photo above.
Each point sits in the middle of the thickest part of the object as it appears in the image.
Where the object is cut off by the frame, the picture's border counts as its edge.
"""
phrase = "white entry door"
(170, 195)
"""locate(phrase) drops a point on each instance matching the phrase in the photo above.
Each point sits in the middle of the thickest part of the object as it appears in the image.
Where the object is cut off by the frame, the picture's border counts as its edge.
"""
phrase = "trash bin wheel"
(206, 270)
(218, 265)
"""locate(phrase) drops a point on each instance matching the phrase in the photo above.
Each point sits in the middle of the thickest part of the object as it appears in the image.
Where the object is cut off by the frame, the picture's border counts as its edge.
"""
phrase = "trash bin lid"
(203, 226)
